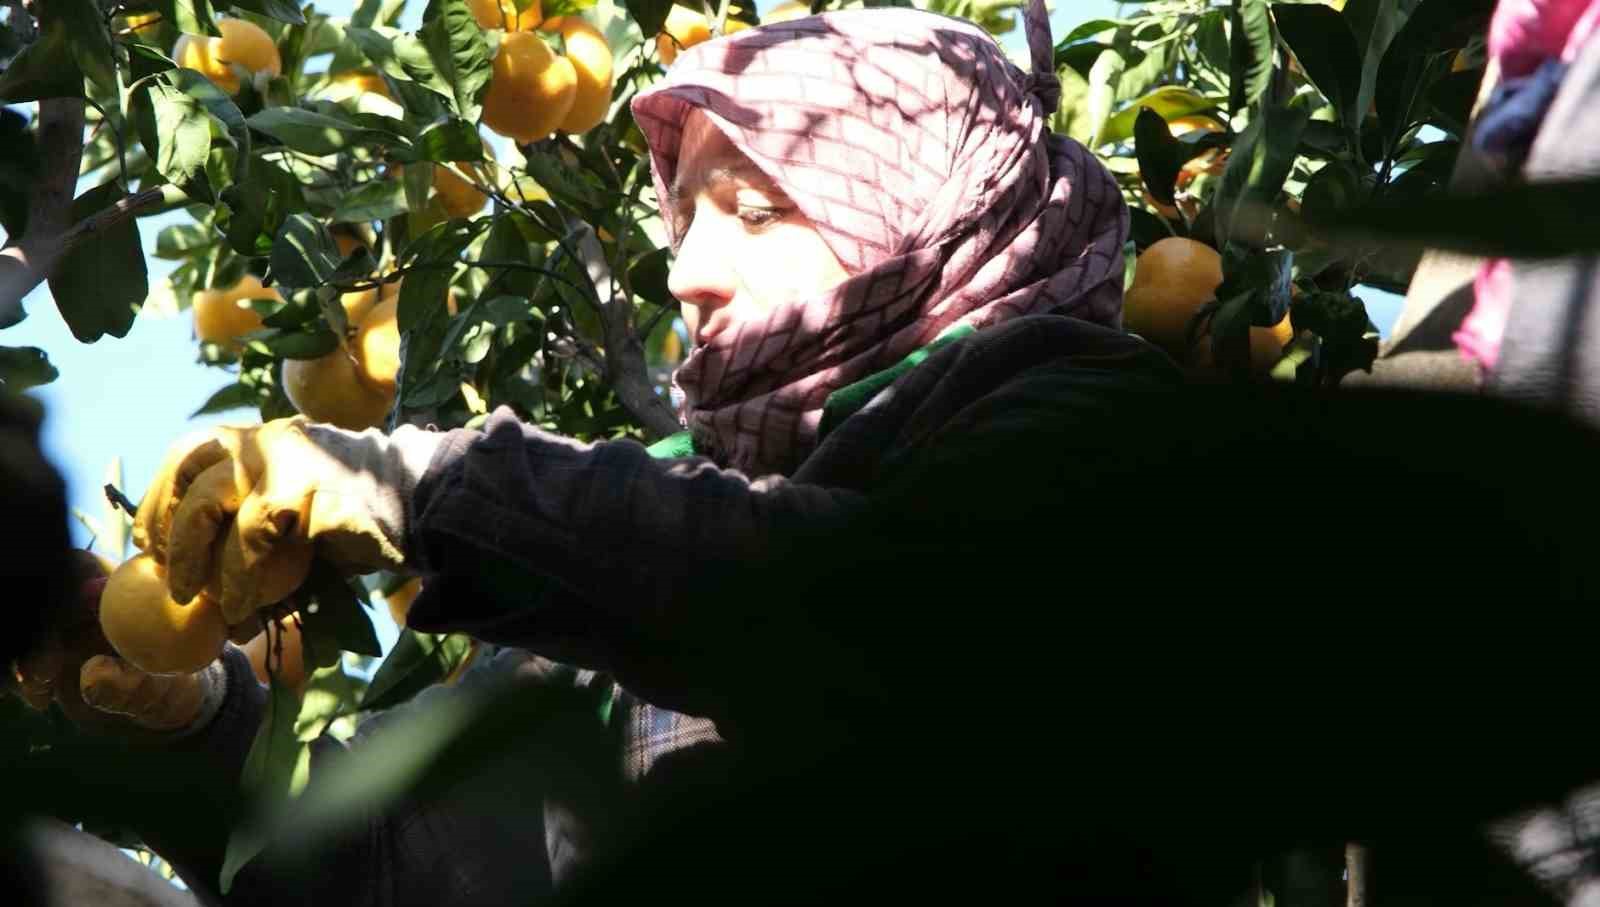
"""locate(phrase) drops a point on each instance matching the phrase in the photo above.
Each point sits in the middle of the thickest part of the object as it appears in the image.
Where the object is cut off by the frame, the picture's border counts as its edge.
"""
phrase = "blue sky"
(131, 397)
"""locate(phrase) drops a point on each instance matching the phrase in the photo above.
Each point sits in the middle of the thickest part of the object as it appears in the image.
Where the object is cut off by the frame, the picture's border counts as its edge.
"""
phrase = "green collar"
(842, 403)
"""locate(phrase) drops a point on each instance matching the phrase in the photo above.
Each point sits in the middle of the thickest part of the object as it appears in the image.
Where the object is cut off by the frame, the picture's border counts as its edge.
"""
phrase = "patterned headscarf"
(923, 158)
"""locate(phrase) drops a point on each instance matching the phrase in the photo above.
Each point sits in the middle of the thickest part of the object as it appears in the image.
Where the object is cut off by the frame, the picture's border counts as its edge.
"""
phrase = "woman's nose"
(702, 274)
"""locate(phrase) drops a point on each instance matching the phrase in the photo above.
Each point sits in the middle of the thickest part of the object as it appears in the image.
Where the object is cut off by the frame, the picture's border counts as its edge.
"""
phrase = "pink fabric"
(924, 159)
(1525, 33)
(1522, 35)
(1478, 338)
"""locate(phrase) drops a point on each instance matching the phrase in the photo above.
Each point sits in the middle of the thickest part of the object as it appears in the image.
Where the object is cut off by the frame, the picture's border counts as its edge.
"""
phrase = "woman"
(875, 235)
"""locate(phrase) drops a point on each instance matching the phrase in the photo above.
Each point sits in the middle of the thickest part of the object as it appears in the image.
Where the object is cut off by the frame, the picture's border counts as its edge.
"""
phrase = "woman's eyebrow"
(685, 185)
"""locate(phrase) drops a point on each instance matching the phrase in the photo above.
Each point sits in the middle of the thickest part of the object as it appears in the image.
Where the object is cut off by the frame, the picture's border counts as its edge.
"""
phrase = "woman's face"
(746, 247)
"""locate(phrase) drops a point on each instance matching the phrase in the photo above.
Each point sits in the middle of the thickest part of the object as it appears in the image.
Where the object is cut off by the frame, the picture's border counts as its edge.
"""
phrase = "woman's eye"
(756, 218)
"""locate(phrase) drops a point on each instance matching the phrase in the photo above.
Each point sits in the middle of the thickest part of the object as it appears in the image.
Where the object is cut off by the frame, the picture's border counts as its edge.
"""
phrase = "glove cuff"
(213, 680)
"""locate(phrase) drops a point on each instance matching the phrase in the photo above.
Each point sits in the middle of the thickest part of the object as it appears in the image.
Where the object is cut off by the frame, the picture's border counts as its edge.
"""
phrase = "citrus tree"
(1236, 129)
(378, 226)
(354, 249)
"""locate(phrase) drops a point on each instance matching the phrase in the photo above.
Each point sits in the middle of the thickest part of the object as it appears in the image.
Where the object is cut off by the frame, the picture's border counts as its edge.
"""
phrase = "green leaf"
(233, 396)
(176, 129)
(1380, 21)
(1103, 76)
(276, 769)
(373, 201)
(1169, 101)
(216, 102)
(315, 133)
(253, 213)
(1349, 340)
(417, 661)
(417, 182)
(191, 17)
(282, 10)
(1084, 32)
(329, 694)
(455, 43)
(22, 367)
(508, 242)
(304, 253)
(576, 187)
(647, 276)
(1256, 291)
(650, 14)
(450, 141)
(313, 344)
(100, 285)
(335, 615)
(1262, 158)
(179, 241)
(89, 40)
(45, 69)
(1251, 50)
(1333, 189)
(1160, 155)
(1326, 47)
(19, 168)
(471, 332)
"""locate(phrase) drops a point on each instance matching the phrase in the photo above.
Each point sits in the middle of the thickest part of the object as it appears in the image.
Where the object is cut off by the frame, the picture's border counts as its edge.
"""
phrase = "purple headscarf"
(923, 158)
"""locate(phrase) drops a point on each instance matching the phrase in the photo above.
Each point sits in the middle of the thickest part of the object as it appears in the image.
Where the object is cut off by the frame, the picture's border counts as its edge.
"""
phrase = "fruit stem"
(118, 499)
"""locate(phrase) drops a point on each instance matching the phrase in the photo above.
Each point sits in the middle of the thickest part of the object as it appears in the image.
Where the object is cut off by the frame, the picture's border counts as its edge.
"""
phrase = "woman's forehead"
(706, 153)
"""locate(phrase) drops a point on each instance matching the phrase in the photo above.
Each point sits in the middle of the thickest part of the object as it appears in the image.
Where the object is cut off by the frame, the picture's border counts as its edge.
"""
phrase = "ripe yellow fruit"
(242, 43)
(683, 29)
(351, 84)
(290, 661)
(377, 346)
(590, 57)
(151, 631)
(400, 600)
(353, 387)
(1174, 278)
(504, 15)
(458, 197)
(787, 12)
(329, 390)
(531, 91)
(222, 316)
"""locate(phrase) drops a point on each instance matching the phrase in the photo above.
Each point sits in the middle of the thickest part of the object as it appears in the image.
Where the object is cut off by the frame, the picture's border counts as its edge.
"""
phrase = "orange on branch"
(1173, 279)
(590, 56)
(531, 91)
(503, 14)
(787, 12)
(222, 316)
(151, 631)
(243, 44)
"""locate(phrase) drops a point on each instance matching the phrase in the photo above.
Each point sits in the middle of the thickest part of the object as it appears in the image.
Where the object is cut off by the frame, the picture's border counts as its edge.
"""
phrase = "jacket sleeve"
(599, 555)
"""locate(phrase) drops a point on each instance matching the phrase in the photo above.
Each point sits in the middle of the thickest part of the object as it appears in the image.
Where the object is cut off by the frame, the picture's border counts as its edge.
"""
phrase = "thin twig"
(120, 500)
(116, 133)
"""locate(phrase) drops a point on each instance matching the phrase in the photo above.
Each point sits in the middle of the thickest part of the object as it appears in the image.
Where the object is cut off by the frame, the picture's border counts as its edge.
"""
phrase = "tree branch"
(625, 367)
(50, 233)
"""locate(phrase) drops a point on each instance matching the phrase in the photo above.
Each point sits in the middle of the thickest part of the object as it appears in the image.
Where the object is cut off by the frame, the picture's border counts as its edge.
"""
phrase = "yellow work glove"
(159, 702)
(237, 514)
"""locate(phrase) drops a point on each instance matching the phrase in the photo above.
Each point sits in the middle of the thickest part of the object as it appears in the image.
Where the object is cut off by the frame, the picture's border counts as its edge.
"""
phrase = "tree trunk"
(75, 868)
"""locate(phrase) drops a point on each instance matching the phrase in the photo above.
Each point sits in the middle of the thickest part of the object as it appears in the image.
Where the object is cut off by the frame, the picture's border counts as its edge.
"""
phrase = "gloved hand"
(74, 667)
(230, 511)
